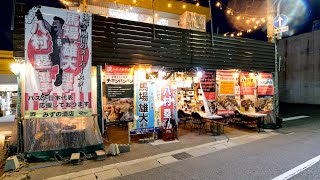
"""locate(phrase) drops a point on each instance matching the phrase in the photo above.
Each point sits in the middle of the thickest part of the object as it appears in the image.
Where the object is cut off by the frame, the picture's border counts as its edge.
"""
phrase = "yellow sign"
(226, 88)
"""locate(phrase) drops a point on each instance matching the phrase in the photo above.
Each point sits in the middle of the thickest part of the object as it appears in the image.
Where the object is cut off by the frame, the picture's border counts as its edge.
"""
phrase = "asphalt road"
(298, 142)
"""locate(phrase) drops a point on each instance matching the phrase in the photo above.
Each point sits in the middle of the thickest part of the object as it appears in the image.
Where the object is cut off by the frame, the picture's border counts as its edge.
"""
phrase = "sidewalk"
(139, 153)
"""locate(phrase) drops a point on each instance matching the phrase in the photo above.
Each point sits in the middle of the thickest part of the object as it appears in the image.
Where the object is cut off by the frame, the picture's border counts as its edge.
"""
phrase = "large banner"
(208, 85)
(119, 80)
(265, 92)
(226, 102)
(143, 108)
(58, 63)
(247, 91)
(169, 100)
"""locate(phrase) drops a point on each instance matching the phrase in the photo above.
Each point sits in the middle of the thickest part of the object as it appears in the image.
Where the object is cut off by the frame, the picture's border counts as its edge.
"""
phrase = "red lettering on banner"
(35, 102)
(82, 100)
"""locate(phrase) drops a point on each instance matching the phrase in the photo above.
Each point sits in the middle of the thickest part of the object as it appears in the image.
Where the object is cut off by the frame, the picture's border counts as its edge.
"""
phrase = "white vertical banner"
(58, 63)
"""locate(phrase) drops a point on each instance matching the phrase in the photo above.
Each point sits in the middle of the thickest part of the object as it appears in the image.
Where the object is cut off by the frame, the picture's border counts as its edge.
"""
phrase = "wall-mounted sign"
(58, 63)
(119, 81)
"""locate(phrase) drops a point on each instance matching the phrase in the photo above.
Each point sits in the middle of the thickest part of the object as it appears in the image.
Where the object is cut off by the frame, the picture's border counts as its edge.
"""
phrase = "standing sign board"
(58, 63)
(119, 80)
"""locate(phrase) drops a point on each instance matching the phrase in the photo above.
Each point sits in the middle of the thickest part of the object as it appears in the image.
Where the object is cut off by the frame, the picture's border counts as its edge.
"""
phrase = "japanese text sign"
(144, 107)
(208, 85)
(119, 81)
(168, 99)
(265, 84)
(58, 63)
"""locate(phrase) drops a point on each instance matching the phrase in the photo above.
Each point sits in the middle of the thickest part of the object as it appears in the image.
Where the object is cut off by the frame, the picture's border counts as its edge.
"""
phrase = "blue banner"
(144, 107)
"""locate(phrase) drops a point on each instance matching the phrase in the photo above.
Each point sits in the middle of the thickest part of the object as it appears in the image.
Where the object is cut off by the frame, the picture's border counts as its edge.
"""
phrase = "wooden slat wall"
(122, 42)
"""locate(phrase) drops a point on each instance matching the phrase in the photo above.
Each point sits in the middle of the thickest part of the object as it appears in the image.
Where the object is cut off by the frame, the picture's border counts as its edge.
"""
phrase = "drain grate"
(181, 156)
(283, 132)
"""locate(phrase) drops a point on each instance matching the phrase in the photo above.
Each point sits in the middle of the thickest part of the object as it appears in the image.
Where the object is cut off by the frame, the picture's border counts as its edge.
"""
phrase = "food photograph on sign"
(247, 91)
(226, 99)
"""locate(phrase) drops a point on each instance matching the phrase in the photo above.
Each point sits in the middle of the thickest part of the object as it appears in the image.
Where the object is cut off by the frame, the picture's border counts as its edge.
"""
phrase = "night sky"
(221, 25)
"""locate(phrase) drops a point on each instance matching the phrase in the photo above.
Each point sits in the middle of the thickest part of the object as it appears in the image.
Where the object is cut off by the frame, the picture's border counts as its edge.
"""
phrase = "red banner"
(168, 95)
(247, 83)
(265, 84)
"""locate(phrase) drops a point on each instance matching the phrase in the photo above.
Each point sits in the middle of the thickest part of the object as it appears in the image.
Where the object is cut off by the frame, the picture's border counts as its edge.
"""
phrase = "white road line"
(294, 118)
(298, 169)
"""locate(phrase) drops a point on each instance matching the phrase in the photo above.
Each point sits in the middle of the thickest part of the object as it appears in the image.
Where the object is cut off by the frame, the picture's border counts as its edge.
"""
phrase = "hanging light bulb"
(232, 35)
(78, 10)
(218, 4)
(131, 8)
(197, 4)
(249, 31)
(240, 33)
(257, 22)
(156, 15)
(228, 11)
(225, 34)
(184, 6)
(248, 21)
(255, 27)
(253, 19)
(134, 1)
(169, 5)
(238, 17)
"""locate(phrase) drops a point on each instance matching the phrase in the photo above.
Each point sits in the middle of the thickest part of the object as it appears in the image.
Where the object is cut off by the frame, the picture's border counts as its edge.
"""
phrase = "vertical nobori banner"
(119, 80)
(143, 108)
(58, 63)
(247, 91)
(265, 92)
(168, 95)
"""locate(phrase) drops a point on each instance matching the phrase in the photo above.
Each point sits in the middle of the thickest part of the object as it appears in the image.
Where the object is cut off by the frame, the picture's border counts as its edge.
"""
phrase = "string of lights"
(254, 22)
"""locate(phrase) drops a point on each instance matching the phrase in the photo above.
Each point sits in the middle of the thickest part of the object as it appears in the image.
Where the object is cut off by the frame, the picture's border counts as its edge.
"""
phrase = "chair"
(197, 121)
(184, 118)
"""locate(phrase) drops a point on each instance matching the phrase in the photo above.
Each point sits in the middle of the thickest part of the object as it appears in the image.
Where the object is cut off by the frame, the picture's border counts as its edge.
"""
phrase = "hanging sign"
(226, 102)
(247, 91)
(143, 108)
(208, 85)
(119, 81)
(58, 63)
(265, 92)
(265, 84)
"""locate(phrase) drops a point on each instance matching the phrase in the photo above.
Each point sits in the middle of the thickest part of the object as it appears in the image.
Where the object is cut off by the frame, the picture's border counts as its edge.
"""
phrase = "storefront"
(141, 75)
(144, 101)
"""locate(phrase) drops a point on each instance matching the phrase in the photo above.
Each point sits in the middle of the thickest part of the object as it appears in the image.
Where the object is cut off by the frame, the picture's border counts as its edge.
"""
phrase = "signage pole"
(211, 23)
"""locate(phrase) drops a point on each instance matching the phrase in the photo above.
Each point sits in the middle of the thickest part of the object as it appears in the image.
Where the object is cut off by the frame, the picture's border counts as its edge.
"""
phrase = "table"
(259, 117)
(212, 119)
